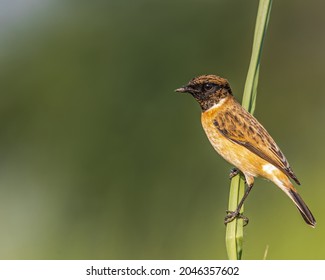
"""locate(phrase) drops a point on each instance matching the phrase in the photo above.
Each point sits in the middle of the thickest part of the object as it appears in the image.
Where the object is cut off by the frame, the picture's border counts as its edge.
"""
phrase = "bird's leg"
(231, 215)
(233, 172)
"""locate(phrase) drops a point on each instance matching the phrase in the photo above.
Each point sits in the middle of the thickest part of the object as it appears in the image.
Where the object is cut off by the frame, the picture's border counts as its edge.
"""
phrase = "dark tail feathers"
(303, 208)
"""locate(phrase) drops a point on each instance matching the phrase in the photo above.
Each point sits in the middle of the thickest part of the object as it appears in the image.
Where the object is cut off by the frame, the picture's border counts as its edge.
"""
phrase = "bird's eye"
(208, 86)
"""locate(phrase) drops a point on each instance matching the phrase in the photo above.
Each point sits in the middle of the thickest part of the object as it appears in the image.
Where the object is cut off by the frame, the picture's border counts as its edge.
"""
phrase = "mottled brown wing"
(242, 128)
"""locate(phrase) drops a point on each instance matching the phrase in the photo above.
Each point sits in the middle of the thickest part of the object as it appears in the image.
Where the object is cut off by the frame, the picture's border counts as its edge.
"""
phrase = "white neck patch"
(217, 105)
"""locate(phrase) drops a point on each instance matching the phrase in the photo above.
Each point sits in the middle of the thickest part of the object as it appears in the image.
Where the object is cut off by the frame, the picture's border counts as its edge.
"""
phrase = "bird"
(242, 141)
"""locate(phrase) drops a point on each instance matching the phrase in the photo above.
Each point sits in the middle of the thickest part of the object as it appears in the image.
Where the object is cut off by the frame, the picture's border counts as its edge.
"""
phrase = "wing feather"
(239, 126)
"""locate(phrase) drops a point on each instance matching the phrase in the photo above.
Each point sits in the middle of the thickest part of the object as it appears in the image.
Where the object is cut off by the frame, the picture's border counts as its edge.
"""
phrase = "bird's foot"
(233, 172)
(231, 215)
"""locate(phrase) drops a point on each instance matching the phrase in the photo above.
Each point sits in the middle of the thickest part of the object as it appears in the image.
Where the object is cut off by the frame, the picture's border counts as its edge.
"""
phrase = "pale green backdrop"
(101, 159)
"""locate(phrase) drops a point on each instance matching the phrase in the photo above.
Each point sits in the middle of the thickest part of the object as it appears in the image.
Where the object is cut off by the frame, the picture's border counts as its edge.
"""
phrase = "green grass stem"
(234, 230)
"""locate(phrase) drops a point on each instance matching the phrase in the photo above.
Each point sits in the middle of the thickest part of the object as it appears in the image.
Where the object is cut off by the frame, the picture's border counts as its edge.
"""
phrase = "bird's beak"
(183, 89)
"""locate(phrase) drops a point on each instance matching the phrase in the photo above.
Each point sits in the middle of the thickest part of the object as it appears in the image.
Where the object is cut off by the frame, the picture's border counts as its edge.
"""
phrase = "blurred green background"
(101, 159)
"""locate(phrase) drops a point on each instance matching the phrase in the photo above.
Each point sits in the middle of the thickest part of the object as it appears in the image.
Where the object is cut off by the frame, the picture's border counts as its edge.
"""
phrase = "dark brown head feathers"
(208, 79)
(208, 90)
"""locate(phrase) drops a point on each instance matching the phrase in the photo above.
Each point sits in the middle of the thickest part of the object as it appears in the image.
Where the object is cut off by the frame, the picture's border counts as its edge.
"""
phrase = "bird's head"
(208, 90)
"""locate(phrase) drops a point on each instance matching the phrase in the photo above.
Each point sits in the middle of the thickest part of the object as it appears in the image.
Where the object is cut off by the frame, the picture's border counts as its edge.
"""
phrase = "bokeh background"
(101, 159)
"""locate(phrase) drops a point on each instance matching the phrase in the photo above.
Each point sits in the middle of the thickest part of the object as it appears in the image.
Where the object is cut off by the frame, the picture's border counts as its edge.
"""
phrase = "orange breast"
(248, 162)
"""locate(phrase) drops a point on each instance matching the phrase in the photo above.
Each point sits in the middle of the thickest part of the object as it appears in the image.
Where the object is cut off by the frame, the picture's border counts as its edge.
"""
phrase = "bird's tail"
(302, 207)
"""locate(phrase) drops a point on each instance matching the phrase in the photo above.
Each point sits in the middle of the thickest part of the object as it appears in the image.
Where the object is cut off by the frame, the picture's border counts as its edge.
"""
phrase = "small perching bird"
(241, 140)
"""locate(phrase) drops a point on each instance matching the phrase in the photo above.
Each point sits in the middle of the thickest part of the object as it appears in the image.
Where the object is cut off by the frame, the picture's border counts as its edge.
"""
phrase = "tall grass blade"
(234, 230)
